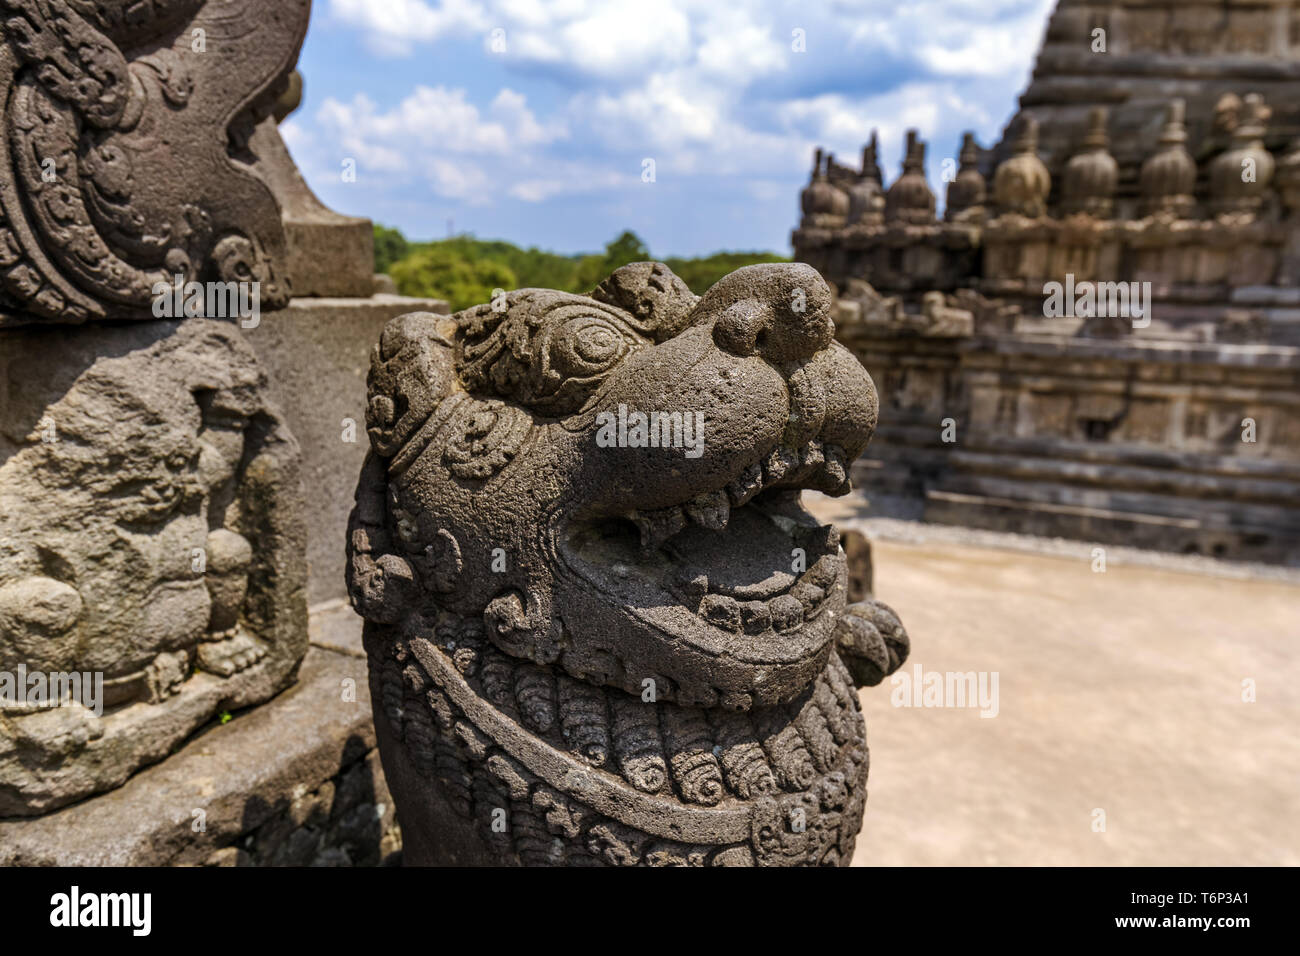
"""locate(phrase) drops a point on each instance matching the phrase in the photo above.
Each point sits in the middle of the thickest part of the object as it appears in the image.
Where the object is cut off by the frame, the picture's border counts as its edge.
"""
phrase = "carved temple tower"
(1110, 308)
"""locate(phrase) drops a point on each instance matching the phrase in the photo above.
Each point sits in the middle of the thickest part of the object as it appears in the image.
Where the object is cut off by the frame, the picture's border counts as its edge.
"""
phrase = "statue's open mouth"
(741, 574)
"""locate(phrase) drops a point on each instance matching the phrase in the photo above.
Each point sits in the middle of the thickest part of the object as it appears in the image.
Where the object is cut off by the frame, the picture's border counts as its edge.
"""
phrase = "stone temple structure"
(601, 628)
(1100, 338)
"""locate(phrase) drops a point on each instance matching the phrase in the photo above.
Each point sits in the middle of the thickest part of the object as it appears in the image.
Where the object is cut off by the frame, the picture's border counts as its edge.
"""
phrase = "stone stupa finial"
(1092, 175)
(1168, 179)
(910, 198)
(1022, 183)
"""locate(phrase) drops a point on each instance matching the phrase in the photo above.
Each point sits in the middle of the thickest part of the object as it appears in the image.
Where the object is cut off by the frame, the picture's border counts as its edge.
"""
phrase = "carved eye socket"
(586, 346)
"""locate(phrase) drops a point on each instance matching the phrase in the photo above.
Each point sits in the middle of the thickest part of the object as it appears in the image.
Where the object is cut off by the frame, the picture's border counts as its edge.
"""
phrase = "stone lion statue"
(602, 629)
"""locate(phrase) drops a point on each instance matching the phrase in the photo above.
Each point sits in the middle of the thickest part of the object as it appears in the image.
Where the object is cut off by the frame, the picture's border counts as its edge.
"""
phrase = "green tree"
(628, 247)
(702, 273)
(532, 267)
(440, 271)
(464, 270)
(390, 246)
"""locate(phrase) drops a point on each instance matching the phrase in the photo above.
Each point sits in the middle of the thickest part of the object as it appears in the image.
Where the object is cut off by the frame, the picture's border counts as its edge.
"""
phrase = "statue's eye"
(585, 346)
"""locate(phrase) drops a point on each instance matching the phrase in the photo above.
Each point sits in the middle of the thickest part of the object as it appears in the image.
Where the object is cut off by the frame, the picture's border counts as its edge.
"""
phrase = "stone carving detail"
(1022, 183)
(824, 204)
(124, 158)
(1168, 181)
(910, 198)
(867, 195)
(1240, 176)
(639, 655)
(1092, 176)
(967, 192)
(150, 532)
(1145, 223)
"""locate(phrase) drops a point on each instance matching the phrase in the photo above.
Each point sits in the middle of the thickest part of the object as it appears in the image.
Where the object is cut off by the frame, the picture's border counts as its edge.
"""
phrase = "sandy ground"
(1119, 692)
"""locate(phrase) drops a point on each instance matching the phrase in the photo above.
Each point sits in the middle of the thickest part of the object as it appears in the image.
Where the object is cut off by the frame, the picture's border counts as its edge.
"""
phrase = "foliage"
(442, 272)
(628, 247)
(702, 273)
(390, 246)
(464, 270)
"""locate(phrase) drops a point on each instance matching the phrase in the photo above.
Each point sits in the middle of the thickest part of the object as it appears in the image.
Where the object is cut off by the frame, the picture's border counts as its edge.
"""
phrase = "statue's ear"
(381, 583)
(412, 369)
(871, 641)
(659, 302)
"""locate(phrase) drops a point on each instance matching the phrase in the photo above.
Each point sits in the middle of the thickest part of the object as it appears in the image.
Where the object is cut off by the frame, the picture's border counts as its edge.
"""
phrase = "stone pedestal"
(294, 782)
(328, 254)
(316, 354)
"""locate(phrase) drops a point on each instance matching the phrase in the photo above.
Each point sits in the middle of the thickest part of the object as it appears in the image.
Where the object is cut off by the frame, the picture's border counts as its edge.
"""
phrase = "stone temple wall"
(1101, 336)
(1093, 440)
(1196, 50)
(184, 333)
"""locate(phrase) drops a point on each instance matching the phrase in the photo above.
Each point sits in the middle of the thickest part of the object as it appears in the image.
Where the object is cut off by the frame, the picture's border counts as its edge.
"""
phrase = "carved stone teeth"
(810, 597)
(779, 462)
(755, 617)
(813, 455)
(710, 510)
(786, 612)
(694, 583)
(743, 489)
(721, 610)
(658, 526)
(836, 469)
(824, 573)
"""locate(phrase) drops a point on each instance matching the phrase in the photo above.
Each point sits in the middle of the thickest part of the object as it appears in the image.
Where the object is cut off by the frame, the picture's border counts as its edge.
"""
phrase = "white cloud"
(566, 179)
(435, 134)
(703, 87)
(609, 39)
(436, 118)
(458, 179)
(394, 27)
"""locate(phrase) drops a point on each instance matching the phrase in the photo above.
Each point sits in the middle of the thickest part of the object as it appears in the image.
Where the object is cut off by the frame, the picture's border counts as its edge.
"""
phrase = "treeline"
(464, 270)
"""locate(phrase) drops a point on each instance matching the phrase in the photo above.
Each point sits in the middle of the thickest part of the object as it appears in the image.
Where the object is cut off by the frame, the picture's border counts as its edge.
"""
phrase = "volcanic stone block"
(601, 627)
(151, 537)
(316, 353)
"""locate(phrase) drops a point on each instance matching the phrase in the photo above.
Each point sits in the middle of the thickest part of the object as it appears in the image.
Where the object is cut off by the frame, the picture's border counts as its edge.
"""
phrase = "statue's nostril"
(795, 337)
(779, 336)
(740, 328)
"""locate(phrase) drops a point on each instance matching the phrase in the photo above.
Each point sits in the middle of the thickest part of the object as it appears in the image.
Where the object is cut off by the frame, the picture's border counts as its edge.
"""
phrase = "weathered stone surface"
(1155, 50)
(150, 533)
(126, 160)
(316, 353)
(585, 649)
(1110, 441)
(295, 781)
(1107, 349)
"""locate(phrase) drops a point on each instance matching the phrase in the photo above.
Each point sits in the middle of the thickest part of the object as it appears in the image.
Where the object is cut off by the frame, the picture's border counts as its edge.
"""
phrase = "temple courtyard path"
(1119, 693)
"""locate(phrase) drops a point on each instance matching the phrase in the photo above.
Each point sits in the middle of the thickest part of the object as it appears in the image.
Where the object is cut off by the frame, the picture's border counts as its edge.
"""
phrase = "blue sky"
(531, 120)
